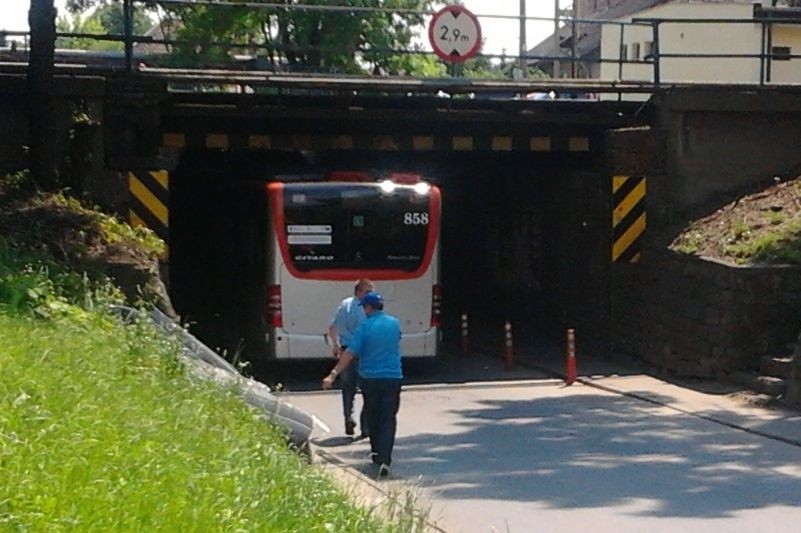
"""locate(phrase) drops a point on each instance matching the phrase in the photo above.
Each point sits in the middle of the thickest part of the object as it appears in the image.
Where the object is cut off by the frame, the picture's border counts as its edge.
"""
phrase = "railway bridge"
(556, 211)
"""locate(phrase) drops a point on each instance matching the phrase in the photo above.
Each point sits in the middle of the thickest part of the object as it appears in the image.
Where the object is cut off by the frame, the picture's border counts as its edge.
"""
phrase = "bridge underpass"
(524, 238)
(526, 190)
(706, 141)
(700, 145)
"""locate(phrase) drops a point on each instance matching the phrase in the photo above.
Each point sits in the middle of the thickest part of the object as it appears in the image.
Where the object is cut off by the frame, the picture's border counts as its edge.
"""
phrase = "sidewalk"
(705, 399)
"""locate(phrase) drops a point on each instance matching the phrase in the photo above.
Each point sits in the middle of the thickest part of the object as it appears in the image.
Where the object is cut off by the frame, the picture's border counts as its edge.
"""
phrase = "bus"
(323, 236)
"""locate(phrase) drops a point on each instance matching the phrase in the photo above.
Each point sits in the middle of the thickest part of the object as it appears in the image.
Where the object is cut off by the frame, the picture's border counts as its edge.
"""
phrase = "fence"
(578, 48)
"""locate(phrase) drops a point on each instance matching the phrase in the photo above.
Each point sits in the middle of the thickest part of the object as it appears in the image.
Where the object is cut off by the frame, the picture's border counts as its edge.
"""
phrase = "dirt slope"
(86, 240)
(760, 228)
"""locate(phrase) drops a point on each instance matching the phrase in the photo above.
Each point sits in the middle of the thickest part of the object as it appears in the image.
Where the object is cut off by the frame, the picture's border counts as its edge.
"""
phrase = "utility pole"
(556, 44)
(522, 62)
(127, 21)
(41, 123)
(573, 40)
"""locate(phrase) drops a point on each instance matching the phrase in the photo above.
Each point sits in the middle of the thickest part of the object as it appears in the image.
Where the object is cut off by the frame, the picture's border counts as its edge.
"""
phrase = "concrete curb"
(366, 491)
(717, 420)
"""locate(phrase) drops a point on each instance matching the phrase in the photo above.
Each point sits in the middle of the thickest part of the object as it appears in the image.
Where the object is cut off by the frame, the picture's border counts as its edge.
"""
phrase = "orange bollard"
(465, 332)
(509, 358)
(571, 357)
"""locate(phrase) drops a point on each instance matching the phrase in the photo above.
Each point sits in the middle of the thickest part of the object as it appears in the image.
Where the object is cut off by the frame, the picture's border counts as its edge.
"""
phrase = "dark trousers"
(382, 401)
(349, 380)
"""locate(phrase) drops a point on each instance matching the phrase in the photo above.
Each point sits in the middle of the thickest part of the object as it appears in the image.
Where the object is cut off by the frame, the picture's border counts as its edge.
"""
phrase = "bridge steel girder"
(151, 132)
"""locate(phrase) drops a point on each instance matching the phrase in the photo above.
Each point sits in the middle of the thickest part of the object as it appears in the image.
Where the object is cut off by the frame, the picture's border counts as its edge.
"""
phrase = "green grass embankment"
(102, 430)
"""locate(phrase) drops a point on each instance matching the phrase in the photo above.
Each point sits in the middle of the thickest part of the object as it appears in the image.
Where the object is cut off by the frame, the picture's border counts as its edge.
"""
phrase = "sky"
(499, 34)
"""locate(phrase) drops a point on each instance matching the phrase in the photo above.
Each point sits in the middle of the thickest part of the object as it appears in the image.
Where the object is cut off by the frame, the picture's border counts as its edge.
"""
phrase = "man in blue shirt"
(347, 318)
(376, 346)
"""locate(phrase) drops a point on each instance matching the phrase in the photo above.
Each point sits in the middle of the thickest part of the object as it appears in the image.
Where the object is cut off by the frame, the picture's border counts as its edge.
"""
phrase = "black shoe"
(383, 470)
(350, 427)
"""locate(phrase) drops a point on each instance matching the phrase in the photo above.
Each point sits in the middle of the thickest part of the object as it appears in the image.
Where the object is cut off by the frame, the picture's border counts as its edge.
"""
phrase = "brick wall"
(702, 318)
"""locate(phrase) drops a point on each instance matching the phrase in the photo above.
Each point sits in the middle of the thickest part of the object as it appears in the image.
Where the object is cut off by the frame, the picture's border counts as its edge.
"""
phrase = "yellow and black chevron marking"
(150, 201)
(383, 143)
(628, 218)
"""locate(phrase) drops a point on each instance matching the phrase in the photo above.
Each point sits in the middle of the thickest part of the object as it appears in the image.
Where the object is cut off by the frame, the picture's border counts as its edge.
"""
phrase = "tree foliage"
(105, 19)
(349, 42)
(345, 42)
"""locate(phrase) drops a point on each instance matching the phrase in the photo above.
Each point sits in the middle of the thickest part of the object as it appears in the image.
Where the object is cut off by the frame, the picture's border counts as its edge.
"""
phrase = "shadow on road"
(594, 450)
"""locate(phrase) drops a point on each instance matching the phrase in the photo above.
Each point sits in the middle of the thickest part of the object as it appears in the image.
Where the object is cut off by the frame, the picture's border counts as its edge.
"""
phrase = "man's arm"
(333, 333)
(345, 359)
(333, 336)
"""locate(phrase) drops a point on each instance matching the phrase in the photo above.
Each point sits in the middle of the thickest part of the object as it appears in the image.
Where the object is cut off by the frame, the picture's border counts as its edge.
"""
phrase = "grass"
(31, 281)
(780, 246)
(111, 228)
(749, 232)
(101, 429)
(688, 243)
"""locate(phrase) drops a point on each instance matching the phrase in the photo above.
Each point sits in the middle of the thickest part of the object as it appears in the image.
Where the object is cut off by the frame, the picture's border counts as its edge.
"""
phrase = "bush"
(31, 282)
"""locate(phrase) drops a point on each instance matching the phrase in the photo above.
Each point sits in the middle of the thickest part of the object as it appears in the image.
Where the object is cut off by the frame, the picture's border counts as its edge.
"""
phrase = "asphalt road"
(491, 450)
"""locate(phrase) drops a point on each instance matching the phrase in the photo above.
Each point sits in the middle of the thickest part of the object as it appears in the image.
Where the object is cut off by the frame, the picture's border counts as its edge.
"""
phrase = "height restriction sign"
(455, 34)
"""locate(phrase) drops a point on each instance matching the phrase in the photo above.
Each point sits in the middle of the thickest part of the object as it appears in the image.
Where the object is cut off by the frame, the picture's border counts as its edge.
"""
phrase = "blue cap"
(373, 299)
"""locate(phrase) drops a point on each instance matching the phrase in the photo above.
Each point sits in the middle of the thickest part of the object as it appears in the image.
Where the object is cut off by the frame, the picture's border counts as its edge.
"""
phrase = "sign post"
(455, 34)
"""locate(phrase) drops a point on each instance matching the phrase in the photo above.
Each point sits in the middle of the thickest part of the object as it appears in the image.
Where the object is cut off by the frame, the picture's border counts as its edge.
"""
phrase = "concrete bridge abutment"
(705, 148)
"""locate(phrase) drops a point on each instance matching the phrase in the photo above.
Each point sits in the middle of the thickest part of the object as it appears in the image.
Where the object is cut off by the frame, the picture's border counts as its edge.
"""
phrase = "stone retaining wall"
(794, 385)
(702, 318)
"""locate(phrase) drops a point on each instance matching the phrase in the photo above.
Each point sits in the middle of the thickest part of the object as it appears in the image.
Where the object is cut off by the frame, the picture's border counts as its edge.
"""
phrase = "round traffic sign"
(455, 34)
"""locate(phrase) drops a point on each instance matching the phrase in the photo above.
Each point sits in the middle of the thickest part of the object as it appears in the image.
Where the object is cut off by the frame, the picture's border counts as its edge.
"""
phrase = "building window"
(781, 53)
(648, 50)
(635, 52)
(624, 51)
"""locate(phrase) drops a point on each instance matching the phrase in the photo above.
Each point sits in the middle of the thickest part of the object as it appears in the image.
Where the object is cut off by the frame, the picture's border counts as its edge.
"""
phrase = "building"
(579, 49)
(751, 44)
(582, 59)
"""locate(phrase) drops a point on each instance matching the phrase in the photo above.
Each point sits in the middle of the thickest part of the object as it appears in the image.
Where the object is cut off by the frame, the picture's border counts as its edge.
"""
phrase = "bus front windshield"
(355, 226)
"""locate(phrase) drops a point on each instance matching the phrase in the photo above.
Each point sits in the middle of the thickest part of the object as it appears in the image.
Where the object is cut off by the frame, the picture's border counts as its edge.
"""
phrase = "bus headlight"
(387, 187)
(422, 188)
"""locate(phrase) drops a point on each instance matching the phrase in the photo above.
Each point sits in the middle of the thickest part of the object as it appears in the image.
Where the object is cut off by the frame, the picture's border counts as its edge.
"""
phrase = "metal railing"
(271, 52)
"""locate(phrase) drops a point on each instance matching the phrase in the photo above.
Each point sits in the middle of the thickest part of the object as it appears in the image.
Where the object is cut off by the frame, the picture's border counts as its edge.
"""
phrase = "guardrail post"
(509, 357)
(655, 53)
(621, 57)
(762, 54)
(571, 357)
(465, 334)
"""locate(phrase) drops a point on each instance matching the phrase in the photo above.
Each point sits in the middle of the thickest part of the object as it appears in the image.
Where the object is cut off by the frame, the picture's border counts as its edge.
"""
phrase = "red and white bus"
(323, 236)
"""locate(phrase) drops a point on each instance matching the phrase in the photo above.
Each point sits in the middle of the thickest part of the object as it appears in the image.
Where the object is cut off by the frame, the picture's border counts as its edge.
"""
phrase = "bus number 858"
(415, 219)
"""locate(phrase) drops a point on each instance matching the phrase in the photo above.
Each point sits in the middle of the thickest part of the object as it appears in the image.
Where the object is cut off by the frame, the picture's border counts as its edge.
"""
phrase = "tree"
(41, 125)
(111, 19)
(345, 42)
(354, 42)
(105, 19)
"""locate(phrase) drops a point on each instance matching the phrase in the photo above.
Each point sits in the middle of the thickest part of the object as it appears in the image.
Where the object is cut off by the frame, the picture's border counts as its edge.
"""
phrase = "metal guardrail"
(203, 363)
(264, 61)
